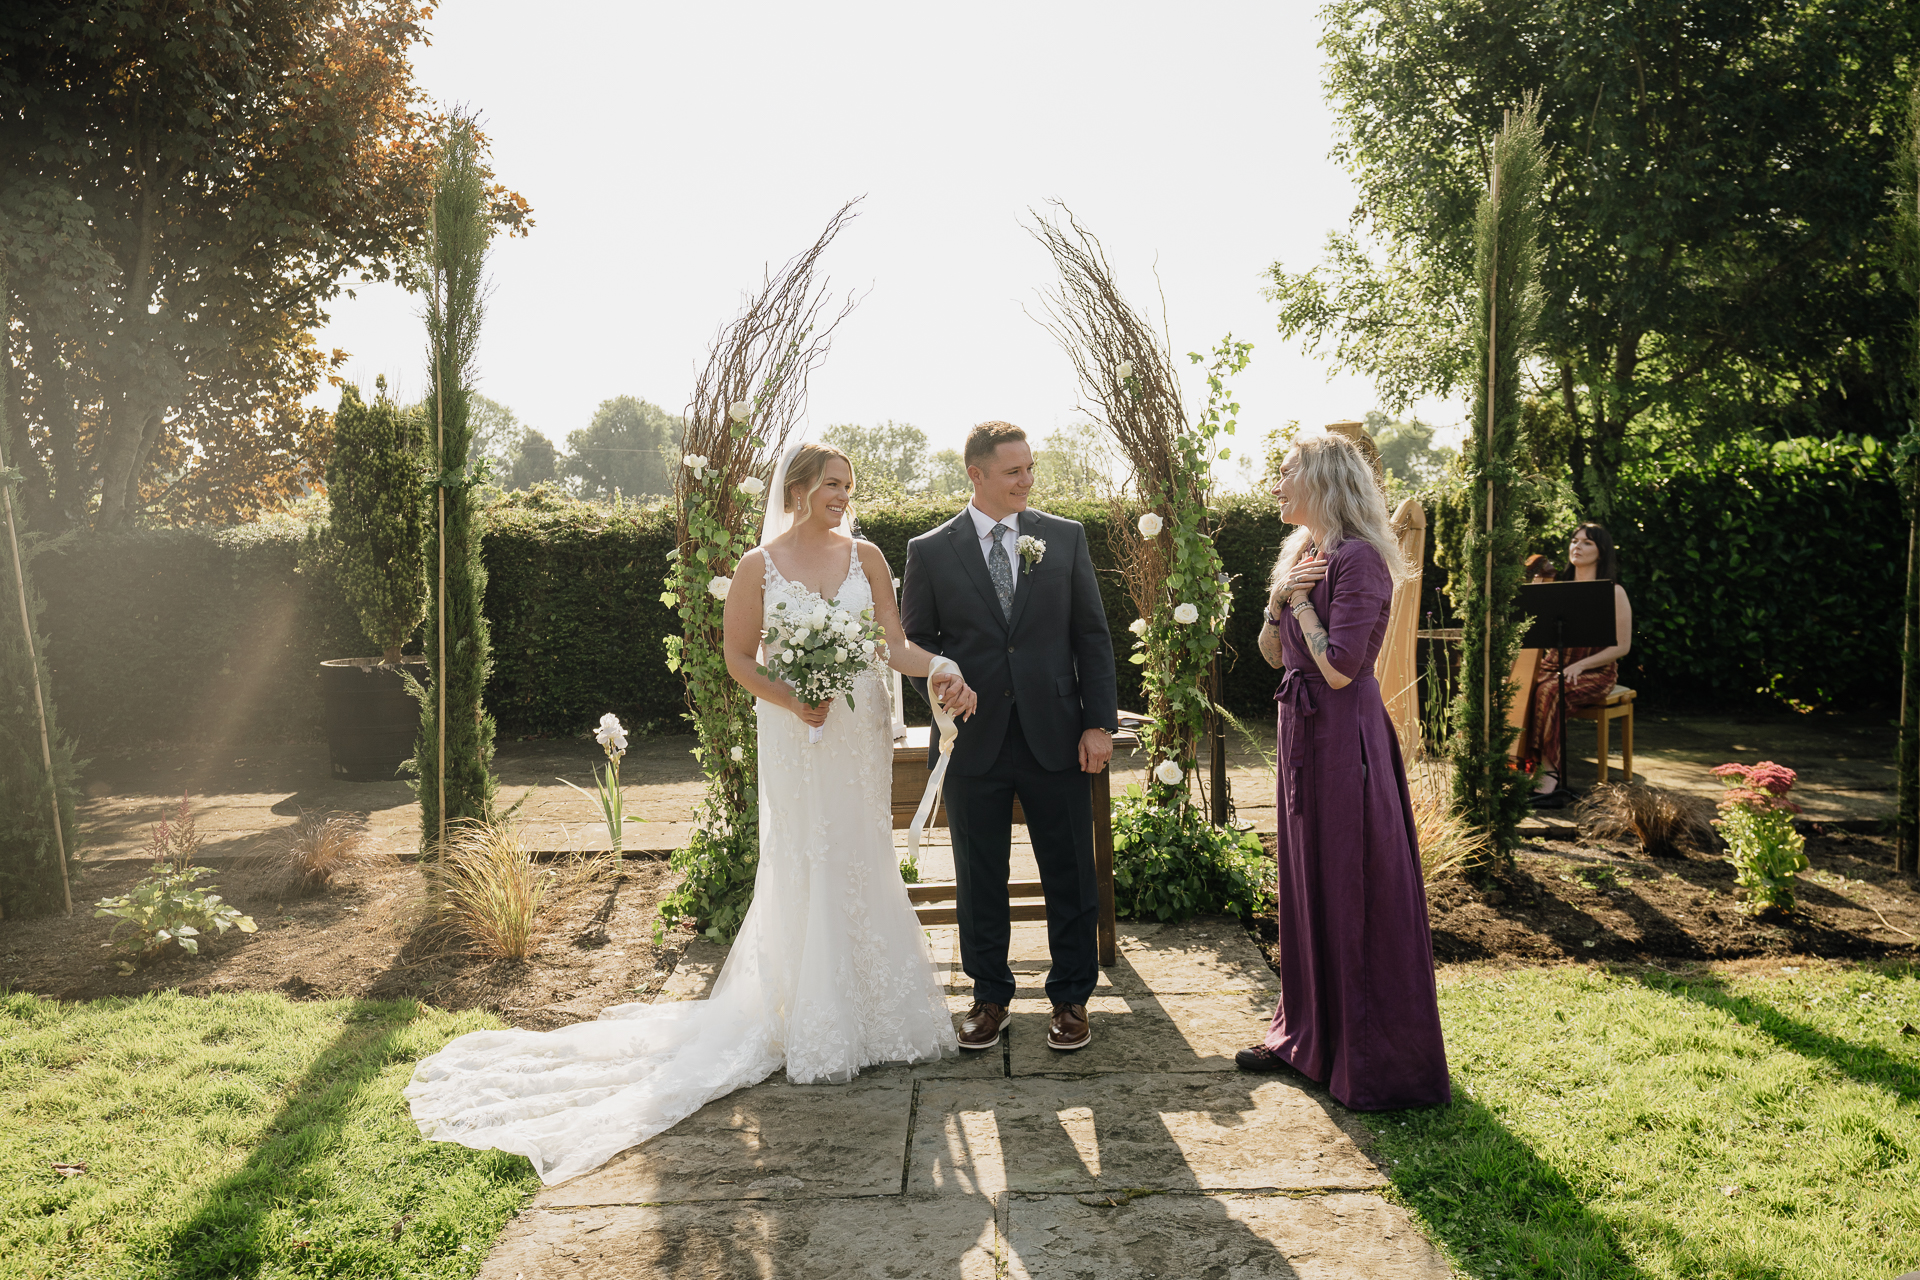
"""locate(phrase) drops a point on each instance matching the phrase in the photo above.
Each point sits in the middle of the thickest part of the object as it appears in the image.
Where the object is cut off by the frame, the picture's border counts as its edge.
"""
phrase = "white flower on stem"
(1138, 626)
(718, 587)
(754, 486)
(696, 463)
(1186, 613)
(739, 410)
(1032, 550)
(1125, 370)
(800, 636)
(1169, 773)
(1151, 524)
(839, 653)
(737, 755)
(610, 735)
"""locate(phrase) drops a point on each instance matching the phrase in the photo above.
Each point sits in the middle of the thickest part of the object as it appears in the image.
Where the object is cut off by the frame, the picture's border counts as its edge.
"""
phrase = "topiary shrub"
(378, 530)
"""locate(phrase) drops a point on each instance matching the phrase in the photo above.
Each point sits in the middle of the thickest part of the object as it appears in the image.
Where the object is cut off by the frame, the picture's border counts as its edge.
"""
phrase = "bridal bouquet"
(820, 651)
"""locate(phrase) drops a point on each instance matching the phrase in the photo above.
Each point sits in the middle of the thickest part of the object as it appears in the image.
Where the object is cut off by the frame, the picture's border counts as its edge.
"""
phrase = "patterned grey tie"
(1000, 570)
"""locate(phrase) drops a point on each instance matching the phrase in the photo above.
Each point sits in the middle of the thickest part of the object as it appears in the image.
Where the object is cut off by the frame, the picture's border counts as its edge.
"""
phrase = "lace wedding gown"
(830, 972)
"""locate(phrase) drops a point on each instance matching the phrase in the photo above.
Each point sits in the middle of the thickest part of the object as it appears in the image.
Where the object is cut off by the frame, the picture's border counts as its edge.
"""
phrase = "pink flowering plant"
(1756, 819)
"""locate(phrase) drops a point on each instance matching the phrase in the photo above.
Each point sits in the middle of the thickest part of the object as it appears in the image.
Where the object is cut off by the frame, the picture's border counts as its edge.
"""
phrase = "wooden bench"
(1618, 706)
(934, 903)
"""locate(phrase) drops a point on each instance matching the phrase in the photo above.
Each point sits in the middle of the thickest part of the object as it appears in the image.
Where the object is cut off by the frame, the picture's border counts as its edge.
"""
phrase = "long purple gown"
(1357, 1011)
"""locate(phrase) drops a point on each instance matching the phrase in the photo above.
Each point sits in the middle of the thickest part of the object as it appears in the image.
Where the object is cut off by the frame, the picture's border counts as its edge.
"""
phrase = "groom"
(1009, 594)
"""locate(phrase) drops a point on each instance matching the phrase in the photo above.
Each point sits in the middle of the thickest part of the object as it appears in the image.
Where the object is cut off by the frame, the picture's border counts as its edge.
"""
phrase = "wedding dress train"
(830, 972)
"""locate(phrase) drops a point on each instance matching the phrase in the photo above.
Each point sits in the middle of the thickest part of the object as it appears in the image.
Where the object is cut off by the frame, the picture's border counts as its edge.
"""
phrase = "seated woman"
(1590, 673)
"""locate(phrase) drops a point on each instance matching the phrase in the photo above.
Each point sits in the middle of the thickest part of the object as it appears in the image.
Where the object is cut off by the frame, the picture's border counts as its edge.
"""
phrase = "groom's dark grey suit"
(1044, 675)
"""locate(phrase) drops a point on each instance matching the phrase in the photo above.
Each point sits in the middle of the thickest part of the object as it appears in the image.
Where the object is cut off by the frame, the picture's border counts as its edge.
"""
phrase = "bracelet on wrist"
(1298, 605)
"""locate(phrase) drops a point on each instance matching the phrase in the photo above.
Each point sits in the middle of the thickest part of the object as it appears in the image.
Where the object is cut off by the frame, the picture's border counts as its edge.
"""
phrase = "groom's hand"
(1096, 748)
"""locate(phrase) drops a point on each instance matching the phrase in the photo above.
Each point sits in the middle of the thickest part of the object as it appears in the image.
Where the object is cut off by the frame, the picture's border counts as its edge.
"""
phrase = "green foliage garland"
(379, 517)
(461, 232)
(1487, 791)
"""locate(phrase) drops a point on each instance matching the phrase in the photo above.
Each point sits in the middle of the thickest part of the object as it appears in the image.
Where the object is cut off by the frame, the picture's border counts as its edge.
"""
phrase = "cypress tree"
(1907, 253)
(378, 517)
(38, 774)
(454, 753)
(1487, 790)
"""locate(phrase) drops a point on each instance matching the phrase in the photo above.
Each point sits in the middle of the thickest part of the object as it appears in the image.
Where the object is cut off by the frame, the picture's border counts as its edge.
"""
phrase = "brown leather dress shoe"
(1068, 1029)
(984, 1025)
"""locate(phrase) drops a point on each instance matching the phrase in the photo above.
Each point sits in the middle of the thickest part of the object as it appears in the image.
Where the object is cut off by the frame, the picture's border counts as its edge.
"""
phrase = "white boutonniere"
(1032, 550)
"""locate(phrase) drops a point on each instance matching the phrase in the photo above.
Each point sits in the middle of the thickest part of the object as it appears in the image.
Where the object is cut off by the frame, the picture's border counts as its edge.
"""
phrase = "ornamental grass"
(317, 851)
(1449, 844)
(492, 892)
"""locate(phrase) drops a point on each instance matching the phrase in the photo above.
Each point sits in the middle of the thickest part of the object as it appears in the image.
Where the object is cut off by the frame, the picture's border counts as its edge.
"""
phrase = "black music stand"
(1567, 615)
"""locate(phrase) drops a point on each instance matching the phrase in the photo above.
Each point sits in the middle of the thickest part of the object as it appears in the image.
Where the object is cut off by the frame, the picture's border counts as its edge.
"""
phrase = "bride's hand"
(813, 714)
(961, 700)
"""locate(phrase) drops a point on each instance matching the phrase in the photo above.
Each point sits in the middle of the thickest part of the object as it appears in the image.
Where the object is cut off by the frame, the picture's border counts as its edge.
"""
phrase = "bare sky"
(671, 151)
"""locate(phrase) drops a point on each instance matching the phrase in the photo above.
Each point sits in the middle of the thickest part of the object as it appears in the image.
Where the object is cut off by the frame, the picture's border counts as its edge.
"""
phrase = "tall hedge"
(1757, 561)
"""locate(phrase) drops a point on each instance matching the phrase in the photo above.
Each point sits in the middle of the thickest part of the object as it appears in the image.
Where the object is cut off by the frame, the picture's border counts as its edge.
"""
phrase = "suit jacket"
(1053, 657)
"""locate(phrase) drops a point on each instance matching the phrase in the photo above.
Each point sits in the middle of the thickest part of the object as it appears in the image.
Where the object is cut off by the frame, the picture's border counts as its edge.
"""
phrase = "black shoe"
(1260, 1058)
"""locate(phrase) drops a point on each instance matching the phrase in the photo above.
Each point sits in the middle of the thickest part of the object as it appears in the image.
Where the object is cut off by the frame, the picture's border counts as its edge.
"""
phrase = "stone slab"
(774, 1140)
(1165, 1132)
(879, 1239)
(1144, 1033)
(694, 972)
(1203, 955)
(1322, 1237)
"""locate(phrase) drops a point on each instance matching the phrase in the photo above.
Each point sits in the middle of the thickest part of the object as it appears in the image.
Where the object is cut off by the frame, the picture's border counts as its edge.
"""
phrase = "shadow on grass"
(328, 1192)
(1483, 1193)
(1861, 1062)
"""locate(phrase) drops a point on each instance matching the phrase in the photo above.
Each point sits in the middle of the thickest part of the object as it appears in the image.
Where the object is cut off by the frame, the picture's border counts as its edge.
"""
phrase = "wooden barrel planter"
(371, 718)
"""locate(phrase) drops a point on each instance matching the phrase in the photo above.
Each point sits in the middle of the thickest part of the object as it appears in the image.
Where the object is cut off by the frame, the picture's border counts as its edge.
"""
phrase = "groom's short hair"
(987, 437)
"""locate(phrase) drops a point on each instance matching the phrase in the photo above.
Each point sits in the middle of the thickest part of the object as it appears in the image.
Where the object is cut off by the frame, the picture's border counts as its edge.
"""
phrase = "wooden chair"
(1618, 706)
(1026, 898)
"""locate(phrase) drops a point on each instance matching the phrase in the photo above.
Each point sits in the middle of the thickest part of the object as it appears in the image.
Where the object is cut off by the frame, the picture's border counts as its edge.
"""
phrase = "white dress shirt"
(983, 530)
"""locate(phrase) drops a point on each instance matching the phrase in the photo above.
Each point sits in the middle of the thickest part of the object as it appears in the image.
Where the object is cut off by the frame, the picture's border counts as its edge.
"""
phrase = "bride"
(830, 972)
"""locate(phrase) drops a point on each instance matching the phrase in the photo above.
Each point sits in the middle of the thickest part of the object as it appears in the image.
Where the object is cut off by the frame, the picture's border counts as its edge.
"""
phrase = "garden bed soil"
(1605, 900)
(372, 938)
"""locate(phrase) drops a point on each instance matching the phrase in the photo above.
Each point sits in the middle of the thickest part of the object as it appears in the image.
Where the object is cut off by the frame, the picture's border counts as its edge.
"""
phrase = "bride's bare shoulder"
(752, 562)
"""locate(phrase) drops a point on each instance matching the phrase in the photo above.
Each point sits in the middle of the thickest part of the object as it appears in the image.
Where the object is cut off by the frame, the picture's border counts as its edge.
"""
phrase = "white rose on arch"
(737, 755)
(697, 464)
(718, 587)
(1138, 626)
(1186, 614)
(1169, 773)
(1151, 524)
(739, 410)
(1125, 370)
(753, 485)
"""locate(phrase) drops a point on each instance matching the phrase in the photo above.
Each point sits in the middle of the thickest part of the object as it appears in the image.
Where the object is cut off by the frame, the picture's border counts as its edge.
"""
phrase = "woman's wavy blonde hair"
(1339, 488)
(807, 468)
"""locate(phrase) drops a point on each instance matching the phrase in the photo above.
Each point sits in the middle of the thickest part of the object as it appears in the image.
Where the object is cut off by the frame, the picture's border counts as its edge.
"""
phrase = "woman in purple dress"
(1358, 1011)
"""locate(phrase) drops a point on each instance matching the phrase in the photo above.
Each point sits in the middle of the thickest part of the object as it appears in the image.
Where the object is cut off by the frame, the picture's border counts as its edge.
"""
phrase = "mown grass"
(1664, 1125)
(234, 1136)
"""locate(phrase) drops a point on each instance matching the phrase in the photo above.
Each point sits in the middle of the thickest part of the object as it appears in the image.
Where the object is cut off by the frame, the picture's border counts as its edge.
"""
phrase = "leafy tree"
(379, 520)
(889, 461)
(1076, 462)
(1713, 230)
(947, 474)
(188, 185)
(1407, 450)
(631, 447)
(496, 434)
(535, 461)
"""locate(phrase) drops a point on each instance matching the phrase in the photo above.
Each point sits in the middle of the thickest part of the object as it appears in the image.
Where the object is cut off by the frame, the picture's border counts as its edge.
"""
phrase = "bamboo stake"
(39, 698)
(1904, 842)
(1493, 324)
(440, 599)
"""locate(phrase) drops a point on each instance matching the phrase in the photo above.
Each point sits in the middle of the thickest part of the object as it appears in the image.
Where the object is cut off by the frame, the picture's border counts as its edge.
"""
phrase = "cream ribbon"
(943, 720)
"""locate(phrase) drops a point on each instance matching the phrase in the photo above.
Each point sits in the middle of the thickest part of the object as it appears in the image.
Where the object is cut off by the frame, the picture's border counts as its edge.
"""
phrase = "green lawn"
(1654, 1125)
(234, 1136)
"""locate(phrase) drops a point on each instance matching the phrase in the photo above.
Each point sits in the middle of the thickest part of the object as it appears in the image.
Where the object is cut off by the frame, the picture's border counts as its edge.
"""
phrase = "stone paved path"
(1145, 1156)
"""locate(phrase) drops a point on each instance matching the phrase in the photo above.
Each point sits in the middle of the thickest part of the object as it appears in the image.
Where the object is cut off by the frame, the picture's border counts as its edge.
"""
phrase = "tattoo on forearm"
(1316, 640)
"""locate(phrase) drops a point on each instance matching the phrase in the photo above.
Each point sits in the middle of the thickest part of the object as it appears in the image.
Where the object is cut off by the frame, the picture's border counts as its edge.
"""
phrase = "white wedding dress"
(831, 971)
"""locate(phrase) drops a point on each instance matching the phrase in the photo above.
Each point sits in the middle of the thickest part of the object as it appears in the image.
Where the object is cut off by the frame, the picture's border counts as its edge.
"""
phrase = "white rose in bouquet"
(1151, 524)
(753, 486)
(719, 587)
(1169, 773)
(739, 410)
(839, 653)
(1186, 613)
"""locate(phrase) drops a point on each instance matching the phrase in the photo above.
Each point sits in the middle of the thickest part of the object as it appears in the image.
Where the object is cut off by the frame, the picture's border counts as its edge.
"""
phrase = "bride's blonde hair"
(1338, 487)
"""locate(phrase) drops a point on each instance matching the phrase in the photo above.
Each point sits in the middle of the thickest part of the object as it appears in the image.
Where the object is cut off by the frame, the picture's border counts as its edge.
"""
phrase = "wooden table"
(1026, 899)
